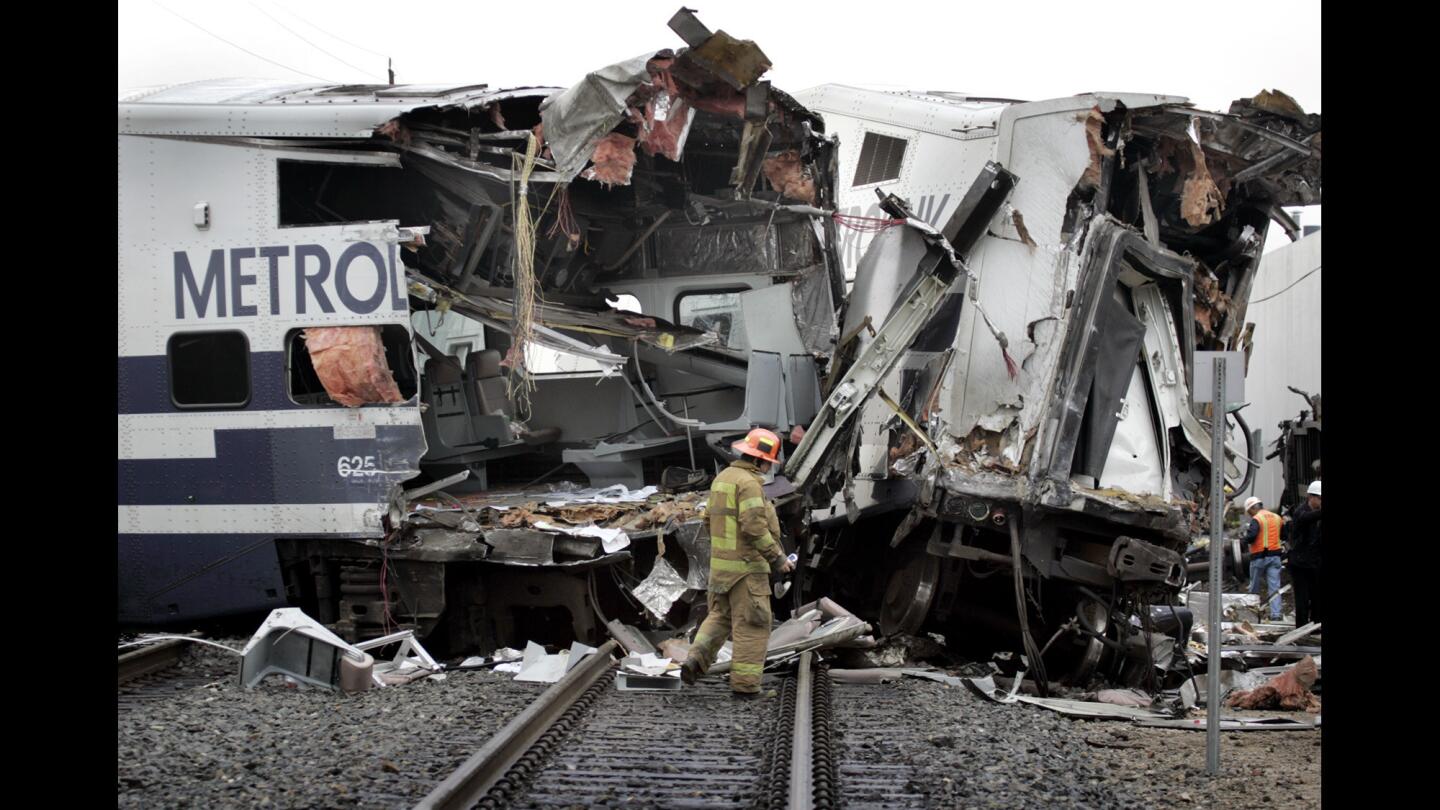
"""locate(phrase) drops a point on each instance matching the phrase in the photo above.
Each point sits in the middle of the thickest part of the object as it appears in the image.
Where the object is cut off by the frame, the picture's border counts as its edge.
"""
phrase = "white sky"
(1211, 53)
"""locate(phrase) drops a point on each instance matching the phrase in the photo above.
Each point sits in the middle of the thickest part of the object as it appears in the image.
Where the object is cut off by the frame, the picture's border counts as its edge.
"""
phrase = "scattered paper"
(648, 664)
(508, 654)
(578, 652)
(473, 661)
(537, 667)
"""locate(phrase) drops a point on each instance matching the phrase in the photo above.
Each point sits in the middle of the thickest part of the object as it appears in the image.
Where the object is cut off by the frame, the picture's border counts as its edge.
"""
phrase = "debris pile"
(565, 525)
(1290, 690)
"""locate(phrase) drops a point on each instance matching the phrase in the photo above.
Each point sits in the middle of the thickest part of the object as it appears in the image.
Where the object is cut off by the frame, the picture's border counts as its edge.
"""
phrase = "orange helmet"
(759, 443)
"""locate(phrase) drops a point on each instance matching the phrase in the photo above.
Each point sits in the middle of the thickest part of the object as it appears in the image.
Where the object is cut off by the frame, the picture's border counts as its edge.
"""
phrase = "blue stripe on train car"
(144, 384)
(279, 466)
(166, 578)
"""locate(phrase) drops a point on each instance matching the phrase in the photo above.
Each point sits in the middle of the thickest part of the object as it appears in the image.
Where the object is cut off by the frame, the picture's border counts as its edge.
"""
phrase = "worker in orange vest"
(1263, 532)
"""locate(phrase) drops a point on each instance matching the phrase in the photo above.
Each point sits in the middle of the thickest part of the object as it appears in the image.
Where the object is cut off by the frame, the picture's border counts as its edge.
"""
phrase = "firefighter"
(744, 548)
(1263, 532)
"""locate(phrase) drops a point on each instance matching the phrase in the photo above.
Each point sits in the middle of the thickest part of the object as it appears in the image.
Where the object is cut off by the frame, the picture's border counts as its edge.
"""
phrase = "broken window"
(209, 370)
(880, 159)
(718, 311)
(305, 388)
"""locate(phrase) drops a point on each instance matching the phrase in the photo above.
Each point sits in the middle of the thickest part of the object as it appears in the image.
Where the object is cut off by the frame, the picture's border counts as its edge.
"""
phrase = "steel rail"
(802, 774)
(476, 775)
(145, 660)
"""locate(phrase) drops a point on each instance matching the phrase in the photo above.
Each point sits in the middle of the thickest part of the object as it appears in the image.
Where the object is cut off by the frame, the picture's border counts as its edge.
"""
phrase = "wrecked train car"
(1043, 420)
(362, 328)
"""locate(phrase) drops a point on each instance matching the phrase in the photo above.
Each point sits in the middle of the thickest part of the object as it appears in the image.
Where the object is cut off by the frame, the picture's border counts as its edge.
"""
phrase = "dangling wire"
(521, 383)
(861, 224)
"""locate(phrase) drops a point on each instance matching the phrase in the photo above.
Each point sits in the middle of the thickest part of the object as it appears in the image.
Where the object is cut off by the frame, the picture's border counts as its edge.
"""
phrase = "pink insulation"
(350, 362)
(666, 118)
(614, 160)
(667, 122)
(787, 176)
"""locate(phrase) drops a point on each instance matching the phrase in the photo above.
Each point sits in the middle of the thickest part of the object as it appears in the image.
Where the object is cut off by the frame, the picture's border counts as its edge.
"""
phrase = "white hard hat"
(1251, 502)
(1314, 489)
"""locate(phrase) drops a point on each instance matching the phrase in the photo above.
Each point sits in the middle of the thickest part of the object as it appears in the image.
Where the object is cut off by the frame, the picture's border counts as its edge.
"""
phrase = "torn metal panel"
(813, 308)
(718, 56)
(1234, 724)
(550, 316)
(1111, 374)
(985, 687)
(521, 546)
(770, 322)
(292, 644)
(865, 375)
(576, 118)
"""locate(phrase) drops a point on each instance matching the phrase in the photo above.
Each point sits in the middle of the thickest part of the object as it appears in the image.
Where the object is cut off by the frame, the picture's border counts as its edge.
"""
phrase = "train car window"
(303, 384)
(880, 159)
(209, 370)
(337, 193)
(718, 311)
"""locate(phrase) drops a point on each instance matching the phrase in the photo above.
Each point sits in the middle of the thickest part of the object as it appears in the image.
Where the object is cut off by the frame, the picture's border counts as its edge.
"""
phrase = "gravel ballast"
(221, 745)
(212, 743)
(942, 746)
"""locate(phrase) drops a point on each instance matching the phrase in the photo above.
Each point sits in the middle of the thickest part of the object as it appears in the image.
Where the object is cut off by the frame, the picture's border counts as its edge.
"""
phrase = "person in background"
(1302, 537)
(1263, 534)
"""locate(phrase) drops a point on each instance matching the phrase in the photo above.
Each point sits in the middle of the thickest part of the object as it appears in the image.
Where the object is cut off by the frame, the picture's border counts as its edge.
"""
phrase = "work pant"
(1268, 570)
(743, 615)
(1307, 594)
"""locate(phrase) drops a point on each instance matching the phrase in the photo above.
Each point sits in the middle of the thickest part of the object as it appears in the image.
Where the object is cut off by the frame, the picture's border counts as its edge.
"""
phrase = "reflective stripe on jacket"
(742, 529)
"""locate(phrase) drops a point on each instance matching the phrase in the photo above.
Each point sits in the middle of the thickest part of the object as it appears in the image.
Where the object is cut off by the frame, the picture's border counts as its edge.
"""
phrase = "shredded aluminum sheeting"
(660, 590)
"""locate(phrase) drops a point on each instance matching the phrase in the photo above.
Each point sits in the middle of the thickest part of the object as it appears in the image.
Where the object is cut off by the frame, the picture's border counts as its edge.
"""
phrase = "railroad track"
(148, 674)
(583, 743)
(149, 659)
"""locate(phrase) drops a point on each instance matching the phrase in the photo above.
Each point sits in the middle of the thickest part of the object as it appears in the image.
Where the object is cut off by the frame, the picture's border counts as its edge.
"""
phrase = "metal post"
(1258, 450)
(690, 443)
(1217, 553)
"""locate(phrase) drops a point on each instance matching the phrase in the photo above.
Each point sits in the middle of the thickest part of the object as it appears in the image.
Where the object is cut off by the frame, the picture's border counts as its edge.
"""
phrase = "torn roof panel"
(577, 117)
(285, 109)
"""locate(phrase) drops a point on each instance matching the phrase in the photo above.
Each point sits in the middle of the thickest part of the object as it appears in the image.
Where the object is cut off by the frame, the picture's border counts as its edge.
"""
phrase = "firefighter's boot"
(690, 671)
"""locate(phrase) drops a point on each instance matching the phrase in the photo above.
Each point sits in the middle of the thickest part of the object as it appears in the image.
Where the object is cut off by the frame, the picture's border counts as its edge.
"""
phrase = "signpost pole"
(1217, 553)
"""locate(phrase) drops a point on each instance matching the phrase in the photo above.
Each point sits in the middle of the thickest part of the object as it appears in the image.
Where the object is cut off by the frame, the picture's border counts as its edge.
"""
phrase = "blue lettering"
(342, 278)
(314, 281)
(398, 286)
(214, 281)
(239, 282)
(273, 254)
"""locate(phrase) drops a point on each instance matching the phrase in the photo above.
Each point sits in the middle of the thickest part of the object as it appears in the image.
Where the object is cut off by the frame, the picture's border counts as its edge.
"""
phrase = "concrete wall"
(1287, 346)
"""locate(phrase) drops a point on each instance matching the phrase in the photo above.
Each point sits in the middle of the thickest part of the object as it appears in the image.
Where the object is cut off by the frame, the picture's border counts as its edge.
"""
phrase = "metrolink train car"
(321, 289)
